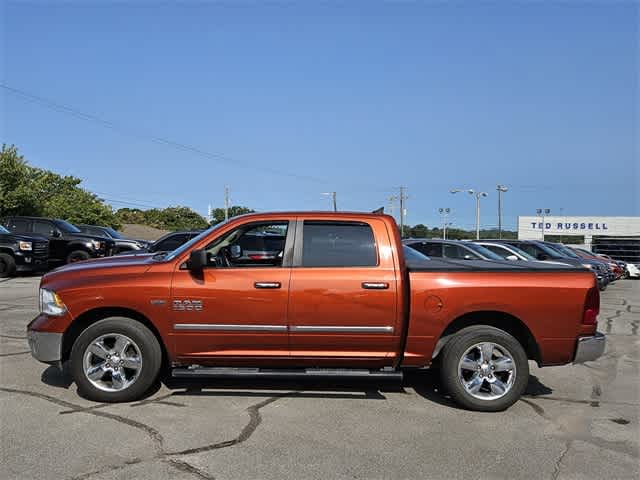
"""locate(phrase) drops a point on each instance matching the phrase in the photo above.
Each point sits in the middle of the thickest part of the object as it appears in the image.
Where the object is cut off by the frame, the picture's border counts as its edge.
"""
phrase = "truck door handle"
(267, 285)
(375, 285)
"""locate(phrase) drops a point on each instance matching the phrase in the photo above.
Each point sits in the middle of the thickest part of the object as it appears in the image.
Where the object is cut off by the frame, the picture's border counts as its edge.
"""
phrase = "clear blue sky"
(305, 98)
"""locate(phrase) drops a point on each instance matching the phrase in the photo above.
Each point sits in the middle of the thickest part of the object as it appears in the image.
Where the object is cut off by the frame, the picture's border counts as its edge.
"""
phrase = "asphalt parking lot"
(575, 421)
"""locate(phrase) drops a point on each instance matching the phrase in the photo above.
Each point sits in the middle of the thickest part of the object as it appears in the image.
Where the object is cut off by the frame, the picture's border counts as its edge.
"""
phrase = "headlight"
(25, 246)
(95, 244)
(51, 303)
(587, 265)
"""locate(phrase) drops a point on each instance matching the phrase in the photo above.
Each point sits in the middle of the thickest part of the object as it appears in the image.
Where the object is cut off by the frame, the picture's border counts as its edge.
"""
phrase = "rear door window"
(338, 244)
(428, 249)
(18, 225)
(43, 228)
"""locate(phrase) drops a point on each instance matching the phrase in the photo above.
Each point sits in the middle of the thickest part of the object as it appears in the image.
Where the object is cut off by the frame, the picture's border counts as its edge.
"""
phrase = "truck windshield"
(114, 233)
(564, 250)
(550, 251)
(186, 246)
(67, 227)
(3, 230)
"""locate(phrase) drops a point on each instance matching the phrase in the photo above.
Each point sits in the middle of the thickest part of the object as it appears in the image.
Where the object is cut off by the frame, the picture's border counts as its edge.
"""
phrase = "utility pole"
(501, 189)
(333, 195)
(542, 212)
(402, 210)
(444, 212)
(210, 214)
(226, 202)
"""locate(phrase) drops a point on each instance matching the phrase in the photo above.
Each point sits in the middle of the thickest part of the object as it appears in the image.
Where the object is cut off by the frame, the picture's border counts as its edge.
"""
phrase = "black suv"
(67, 244)
(122, 243)
(22, 253)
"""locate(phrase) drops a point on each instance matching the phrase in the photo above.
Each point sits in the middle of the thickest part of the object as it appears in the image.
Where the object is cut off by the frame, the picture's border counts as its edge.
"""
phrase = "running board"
(322, 373)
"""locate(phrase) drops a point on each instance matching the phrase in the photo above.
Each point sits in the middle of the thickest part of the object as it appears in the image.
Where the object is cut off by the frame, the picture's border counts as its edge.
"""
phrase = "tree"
(172, 218)
(16, 194)
(234, 211)
(26, 190)
(419, 231)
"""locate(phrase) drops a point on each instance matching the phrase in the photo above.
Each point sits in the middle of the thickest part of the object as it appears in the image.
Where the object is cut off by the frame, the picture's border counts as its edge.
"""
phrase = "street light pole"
(542, 212)
(501, 189)
(444, 212)
(478, 196)
(333, 197)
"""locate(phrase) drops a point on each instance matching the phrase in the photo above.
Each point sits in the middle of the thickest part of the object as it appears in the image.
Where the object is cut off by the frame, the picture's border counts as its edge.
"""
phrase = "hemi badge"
(158, 301)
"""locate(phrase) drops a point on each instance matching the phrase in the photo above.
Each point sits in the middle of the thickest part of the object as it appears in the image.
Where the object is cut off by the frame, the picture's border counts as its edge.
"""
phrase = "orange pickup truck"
(319, 295)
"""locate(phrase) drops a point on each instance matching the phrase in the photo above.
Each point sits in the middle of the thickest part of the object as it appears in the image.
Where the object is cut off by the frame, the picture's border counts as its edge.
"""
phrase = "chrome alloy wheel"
(112, 362)
(487, 371)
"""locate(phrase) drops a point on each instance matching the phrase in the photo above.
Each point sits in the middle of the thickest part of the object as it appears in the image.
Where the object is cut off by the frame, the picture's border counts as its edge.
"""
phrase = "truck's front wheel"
(115, 360)
(484, 368)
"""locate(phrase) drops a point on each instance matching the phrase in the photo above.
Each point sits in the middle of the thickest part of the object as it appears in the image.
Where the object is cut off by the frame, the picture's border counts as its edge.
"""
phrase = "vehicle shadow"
(426, 383)
(54, 377)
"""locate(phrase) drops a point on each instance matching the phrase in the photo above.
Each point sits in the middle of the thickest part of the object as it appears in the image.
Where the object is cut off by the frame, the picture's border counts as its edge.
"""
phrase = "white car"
(633, 270)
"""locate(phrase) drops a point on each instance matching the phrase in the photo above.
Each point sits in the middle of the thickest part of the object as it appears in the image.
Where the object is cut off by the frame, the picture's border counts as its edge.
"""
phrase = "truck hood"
(98, 269)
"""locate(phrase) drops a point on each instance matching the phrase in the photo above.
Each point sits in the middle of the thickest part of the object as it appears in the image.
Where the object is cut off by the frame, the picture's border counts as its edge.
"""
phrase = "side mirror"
(235, 251)
(468, 257)
(56, 233)
(542, 256)
(197, 260)
(513, 258)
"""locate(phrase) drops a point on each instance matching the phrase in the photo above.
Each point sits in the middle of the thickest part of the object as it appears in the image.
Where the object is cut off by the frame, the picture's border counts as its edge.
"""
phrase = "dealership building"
(615, 236)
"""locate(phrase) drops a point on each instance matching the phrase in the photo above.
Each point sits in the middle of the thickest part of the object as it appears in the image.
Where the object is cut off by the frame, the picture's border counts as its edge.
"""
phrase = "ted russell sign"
(570, 226)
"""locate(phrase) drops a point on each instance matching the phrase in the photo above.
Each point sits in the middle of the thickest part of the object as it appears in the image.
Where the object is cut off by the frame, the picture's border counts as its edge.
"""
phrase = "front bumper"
(45, 346)
(27, 262)
(589, 348)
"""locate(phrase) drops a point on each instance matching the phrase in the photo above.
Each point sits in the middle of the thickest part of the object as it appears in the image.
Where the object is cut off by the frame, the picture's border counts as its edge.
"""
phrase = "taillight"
(591, 307)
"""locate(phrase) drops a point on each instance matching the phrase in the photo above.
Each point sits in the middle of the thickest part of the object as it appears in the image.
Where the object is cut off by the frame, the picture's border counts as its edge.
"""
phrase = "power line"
(61, 108)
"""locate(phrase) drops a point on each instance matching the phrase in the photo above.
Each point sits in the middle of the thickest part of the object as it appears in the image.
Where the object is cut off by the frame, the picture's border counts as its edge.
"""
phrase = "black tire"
(455, 349)
(78, 256)
(7, 265)
(150, 353)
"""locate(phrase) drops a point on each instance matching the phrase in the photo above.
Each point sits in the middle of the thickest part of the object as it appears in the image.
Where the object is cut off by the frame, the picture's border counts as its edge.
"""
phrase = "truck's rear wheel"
(484, 368)
(115, 360)
(7, 265)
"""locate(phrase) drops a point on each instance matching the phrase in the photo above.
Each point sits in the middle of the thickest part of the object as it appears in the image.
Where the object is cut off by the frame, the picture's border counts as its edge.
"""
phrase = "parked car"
(542, 251)
(122, 243)
(340, 302)
(621, 263)
(166, 243)
(633, 270)
(614, 268)
(67, 244)
(22, 253)
(454, 249)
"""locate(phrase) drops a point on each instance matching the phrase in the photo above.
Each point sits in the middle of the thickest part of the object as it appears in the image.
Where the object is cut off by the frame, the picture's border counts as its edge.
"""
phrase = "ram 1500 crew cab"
(338, 299)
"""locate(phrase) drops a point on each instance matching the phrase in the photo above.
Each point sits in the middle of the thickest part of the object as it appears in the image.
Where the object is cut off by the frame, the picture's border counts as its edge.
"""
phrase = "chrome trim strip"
(226, 327)
(339, 329)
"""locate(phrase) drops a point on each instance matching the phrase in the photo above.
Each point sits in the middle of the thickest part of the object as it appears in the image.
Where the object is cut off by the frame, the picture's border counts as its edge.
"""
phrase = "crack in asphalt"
(558, 463)
(255, 419)
(188, 468)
